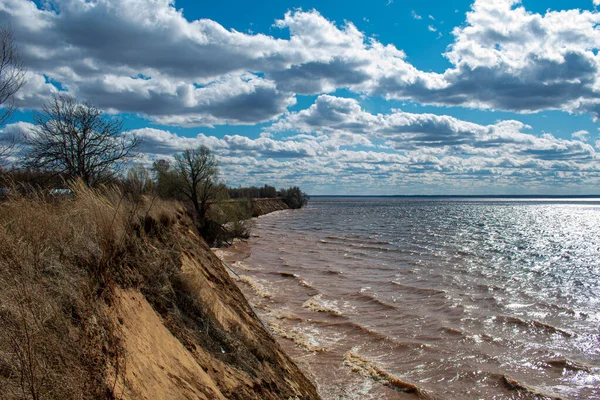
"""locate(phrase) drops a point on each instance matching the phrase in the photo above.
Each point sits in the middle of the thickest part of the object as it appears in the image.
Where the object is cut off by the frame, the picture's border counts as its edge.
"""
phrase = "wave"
(373, 247)
(536, 324)
(529, 391)
(350, 257)
(467, 335)
(242, 266)
(301, 282)
(346, 326)
(343, 250)
(287, 274)
(359, 239)
(551, 328)
(297, 337)
(420, 290)
(565, 363)
(453, 331)
(258, 288)
(316, 303)
(332, 272)
(344, 246)
(370, 368)
(371, 299)
(284, 262)
(290, 317)
(306, 284)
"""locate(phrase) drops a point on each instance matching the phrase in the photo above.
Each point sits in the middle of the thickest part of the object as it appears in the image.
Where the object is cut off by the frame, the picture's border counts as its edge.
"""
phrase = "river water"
(393, 298)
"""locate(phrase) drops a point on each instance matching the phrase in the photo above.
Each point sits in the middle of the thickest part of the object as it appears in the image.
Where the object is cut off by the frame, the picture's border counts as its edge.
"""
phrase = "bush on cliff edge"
(294, 197)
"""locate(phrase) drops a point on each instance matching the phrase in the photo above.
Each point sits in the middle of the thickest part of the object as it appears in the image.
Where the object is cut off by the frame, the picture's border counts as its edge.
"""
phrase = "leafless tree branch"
(12, 73)
(7, 145)
(12, 77)
(78, 140)
(197, 171)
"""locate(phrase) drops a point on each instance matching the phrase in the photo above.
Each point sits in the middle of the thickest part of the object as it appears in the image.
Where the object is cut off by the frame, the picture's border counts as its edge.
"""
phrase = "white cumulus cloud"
(147, 57)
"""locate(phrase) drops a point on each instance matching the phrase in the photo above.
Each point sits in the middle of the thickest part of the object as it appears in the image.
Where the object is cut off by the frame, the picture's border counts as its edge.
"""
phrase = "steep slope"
(101, 297)
(157, 364)
(266, 206)
(232, 346)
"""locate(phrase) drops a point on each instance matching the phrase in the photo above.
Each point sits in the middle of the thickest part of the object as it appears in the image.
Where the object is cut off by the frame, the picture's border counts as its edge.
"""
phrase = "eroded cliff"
(104, 297)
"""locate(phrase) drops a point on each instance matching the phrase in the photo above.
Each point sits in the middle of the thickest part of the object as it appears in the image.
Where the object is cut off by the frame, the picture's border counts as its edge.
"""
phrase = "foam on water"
(258, 287)
(318, 304)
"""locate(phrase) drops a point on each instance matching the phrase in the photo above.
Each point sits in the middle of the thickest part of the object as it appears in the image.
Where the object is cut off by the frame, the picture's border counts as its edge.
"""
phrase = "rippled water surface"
(464, 299)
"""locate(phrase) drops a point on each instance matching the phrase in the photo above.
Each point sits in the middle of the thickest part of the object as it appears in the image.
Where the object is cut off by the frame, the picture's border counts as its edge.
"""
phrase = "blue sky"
(339, 97)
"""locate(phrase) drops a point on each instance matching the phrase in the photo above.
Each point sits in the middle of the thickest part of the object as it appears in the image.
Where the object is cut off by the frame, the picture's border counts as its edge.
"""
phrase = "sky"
(385, 97)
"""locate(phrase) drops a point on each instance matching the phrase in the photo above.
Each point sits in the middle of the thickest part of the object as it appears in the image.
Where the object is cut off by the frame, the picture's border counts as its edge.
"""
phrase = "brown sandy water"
(401, 298)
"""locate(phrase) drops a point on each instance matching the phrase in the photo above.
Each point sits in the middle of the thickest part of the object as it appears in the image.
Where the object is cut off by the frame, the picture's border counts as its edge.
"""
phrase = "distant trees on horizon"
(293, 196)
(252, 192)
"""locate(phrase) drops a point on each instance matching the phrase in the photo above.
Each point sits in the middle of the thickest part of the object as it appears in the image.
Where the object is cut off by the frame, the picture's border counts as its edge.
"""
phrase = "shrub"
(294, 197)
(138, 183)
(229, 219)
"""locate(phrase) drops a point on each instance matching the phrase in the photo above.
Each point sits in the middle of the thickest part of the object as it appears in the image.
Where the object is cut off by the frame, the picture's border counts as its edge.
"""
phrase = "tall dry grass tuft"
(58, 260)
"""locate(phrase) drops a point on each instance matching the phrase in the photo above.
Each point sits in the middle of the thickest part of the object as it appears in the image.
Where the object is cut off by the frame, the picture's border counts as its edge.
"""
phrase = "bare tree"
(138, 182)
(12, 73)
(12, 77)
(78, 140)
(196, 177)
(7, 144)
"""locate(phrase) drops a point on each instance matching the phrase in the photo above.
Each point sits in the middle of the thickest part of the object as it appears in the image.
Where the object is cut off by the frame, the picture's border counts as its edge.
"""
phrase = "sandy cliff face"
(157, 364)
(227, 355)
(105, 297)
(266, 206)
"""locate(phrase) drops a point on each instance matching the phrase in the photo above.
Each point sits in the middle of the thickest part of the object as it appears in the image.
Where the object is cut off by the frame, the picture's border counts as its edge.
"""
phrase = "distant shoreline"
(485, 196)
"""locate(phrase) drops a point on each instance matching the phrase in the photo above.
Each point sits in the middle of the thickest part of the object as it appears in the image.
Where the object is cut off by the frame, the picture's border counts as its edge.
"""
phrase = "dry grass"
(58, 262)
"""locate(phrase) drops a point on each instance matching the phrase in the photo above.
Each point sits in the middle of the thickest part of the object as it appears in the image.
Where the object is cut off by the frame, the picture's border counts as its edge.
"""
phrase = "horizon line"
(504, 196)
